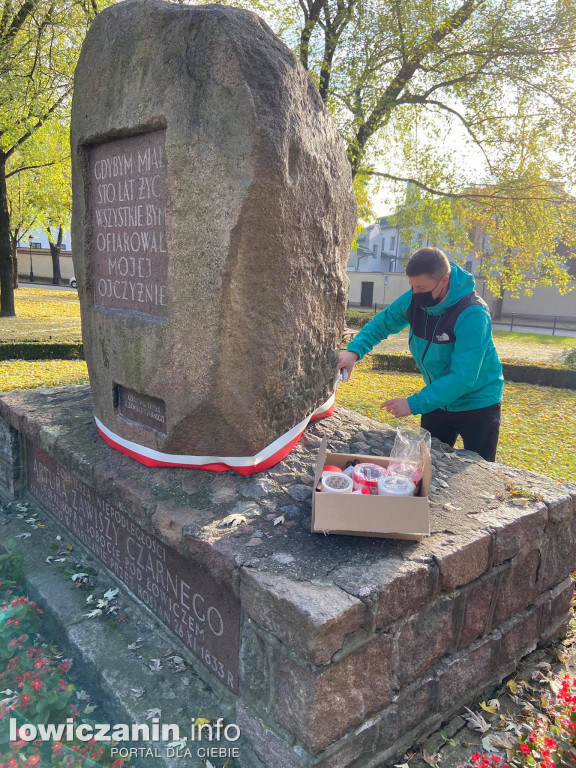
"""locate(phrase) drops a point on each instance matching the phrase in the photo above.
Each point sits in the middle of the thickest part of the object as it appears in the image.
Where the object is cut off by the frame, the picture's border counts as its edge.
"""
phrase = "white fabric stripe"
(239, 461)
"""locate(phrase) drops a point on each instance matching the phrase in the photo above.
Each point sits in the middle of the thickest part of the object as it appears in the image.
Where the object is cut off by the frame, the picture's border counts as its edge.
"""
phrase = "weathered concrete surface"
(433, 622)
(196, 128)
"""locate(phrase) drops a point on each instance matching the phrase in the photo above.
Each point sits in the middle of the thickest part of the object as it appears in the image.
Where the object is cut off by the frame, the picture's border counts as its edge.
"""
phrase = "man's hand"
(397, 407)
(347, 360)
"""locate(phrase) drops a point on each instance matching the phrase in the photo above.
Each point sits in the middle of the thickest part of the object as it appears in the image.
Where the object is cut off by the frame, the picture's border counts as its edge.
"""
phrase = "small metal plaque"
(129, 253)
(204, 613)
(142, 409)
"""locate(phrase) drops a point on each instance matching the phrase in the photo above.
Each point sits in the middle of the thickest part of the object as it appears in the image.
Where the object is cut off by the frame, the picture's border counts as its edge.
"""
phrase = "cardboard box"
(394, 517)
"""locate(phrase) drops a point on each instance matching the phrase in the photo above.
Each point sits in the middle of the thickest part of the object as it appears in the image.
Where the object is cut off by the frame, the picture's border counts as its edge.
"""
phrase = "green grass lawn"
(538, 423)
(535, 338)
(43, 315)
(29, 374)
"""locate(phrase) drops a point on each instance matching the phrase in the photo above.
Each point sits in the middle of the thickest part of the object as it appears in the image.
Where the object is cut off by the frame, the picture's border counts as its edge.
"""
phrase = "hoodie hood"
(461, 283)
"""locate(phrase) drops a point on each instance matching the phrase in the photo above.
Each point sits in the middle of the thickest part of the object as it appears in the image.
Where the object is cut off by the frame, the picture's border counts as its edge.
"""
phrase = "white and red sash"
(245, 465)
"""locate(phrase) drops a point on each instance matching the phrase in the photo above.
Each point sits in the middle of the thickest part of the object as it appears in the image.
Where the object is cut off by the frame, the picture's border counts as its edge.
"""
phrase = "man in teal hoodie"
(451, 342)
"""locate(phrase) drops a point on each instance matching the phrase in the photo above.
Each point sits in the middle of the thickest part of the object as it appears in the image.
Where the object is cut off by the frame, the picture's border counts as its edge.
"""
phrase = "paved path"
(36, 284)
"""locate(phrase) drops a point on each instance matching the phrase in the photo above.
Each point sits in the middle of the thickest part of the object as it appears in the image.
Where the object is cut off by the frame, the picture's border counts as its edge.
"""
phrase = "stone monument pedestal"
(335, 651)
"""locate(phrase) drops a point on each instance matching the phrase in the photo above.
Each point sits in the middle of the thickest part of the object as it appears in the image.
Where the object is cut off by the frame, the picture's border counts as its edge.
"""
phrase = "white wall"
(387, 287)
(544, 301)
(42, 265)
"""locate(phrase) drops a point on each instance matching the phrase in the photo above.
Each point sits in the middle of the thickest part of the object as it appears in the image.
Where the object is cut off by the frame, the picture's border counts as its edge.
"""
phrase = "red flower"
(33, 759)
(532, 736)
(117, 763)
(37, 685)
(550, 743)
(525, 749)
(475, 756)
(64, 666)
(12, 763)
(57, 747)
(25, 700)
(39, 663)
(18, 744)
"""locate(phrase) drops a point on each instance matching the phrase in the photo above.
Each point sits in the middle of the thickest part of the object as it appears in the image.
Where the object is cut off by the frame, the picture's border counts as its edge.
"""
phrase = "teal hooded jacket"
(458, 361)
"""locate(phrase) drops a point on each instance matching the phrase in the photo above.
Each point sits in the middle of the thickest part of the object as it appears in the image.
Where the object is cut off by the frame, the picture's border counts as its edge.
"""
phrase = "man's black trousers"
(479, 428)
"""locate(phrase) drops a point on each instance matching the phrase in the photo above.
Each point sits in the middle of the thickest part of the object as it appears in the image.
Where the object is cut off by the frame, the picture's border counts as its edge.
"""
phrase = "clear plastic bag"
(409, 454)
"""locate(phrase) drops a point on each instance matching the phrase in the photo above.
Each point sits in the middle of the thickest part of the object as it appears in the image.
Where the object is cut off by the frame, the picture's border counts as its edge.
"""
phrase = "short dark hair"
(428, 261)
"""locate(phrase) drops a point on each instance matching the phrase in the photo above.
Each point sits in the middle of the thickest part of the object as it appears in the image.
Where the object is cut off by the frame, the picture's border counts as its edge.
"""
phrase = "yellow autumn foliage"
(29, 374)
(43, 315)
(46, 303)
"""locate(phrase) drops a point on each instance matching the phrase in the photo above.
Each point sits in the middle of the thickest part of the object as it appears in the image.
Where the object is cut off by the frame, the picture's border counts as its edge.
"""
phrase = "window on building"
(393, 243)
(63, 247)
(374, 251)
(468, 266)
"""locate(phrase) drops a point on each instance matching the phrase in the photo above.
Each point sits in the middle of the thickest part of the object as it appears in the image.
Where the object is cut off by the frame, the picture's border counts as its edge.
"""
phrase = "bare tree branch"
(312, 12)
(333, 30)
(35, 127)
(497, 195)
(17, 22)
(381, 112)
(28, 168)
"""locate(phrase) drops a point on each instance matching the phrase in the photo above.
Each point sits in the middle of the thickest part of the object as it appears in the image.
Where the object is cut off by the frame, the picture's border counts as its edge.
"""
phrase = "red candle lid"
(330, 468)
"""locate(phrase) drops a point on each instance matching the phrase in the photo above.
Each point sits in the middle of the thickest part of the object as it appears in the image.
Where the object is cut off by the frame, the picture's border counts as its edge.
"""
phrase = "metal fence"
(556, 323)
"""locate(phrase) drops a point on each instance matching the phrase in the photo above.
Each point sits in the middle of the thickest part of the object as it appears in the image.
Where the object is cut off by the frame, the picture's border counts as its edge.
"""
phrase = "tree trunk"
(7, 308)
(14, 252)
(498, 304)
(55, 249)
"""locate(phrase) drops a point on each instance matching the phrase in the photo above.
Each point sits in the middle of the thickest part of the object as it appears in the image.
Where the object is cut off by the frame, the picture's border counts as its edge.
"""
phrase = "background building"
(35, 259)
(377, 277)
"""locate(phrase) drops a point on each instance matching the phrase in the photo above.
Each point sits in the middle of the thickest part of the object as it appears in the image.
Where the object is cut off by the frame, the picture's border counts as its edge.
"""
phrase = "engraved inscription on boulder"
(128, 193)
(211, 227)
(148, 411)
(184, 596)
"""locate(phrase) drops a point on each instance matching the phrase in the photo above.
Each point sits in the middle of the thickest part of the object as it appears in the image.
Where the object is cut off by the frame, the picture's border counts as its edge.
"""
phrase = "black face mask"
(426, 299)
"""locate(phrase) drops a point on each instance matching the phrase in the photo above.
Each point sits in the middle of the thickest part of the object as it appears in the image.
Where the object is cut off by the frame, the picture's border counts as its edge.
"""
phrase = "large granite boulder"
(213, 214)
